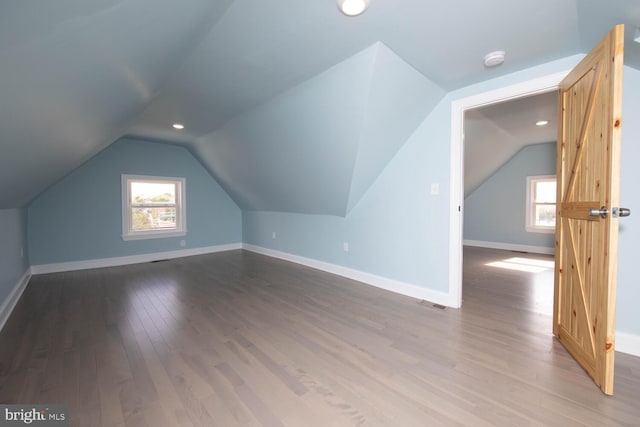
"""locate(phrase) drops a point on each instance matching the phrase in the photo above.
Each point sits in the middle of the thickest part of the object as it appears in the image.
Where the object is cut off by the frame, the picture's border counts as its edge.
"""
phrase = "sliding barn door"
(589, 138)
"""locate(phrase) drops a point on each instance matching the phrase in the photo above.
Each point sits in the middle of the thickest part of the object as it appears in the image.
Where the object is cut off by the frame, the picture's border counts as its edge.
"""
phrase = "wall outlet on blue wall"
(345, 246)
(183, 243)
(273, 234)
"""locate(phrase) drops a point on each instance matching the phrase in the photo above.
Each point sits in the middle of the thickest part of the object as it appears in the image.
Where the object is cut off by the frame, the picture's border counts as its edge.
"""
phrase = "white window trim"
(529, 225)
(181, 209)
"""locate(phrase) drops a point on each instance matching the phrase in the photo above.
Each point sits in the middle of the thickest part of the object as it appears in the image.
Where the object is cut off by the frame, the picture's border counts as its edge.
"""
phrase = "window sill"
(153, 235)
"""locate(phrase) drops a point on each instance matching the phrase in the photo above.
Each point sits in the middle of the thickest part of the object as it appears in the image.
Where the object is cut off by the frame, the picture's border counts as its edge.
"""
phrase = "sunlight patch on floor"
(529, 265)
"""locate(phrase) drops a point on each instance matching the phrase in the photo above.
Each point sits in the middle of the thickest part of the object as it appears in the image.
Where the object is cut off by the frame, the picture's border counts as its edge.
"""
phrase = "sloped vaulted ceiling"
(317, 147)
(76, 75)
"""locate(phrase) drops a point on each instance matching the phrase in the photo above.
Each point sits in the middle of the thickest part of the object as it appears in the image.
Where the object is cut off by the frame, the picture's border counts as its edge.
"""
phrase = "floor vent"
(438, 306)
(160, 260)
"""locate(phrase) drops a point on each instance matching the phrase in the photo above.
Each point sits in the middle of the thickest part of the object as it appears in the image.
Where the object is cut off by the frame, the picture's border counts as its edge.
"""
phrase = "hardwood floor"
(239, 339)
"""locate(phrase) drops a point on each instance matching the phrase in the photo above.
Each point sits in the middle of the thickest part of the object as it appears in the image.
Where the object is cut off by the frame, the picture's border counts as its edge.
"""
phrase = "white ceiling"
(78, 74)
(496, 133)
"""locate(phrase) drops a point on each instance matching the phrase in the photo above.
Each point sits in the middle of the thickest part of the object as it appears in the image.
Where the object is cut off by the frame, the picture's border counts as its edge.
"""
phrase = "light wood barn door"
(589, 138)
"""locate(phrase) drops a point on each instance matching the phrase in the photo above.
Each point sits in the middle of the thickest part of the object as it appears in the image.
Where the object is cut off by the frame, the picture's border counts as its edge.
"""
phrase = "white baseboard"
(628, 343)
(126, 260)
(510, 247)
(392, 285)
(10, 303)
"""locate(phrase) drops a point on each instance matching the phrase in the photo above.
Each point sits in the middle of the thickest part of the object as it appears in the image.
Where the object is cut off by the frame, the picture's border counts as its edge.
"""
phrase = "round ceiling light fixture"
(494, 59)
(542, 122)
(353, 7)
(178, 126)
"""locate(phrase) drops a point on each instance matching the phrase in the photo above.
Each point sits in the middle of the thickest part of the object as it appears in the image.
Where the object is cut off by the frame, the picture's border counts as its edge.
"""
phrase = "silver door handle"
(602, 212)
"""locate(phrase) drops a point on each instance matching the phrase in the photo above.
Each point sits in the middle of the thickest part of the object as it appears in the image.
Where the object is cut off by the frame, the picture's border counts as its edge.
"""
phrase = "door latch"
(620, 212)
(603, 212)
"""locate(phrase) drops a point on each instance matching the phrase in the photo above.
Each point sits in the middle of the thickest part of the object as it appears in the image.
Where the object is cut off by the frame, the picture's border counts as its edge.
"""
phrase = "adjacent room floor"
(240, 339)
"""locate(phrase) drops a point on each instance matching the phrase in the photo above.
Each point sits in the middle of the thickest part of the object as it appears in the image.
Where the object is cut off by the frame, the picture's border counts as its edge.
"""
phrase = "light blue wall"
(628, 317)
(396, 230)
(495, 211)
(399, 99)
(80, 217)
(13, 238)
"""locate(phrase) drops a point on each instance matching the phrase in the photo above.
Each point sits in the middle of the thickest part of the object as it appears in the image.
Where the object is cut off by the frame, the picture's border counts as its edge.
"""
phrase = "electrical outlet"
(273, 235)
(183, 243)
(345, 246)
(435, 189)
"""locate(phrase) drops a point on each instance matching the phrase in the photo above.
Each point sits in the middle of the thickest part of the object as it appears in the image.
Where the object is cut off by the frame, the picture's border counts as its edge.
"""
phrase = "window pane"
(153, 192)
(153, 219)
(546, 192)
(546, 215)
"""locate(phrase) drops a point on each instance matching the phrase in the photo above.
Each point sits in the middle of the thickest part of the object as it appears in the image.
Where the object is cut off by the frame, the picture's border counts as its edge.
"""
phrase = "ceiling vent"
(494, 59)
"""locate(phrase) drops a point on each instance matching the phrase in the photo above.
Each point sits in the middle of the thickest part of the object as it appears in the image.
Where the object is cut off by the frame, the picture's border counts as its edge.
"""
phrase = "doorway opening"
(510, 158)
(459, 108)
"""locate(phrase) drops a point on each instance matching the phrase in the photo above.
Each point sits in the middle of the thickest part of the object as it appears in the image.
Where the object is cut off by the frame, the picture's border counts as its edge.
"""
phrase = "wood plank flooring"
(239, 339)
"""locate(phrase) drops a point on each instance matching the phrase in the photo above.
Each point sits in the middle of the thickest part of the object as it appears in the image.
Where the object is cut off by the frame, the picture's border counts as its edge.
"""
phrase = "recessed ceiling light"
(493, 59)
(353, 7)
(178, 126)
(542, 122)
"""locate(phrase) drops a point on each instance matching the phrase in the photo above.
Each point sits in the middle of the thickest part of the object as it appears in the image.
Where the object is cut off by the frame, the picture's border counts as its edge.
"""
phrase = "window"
(152, 207)
(541, 204)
